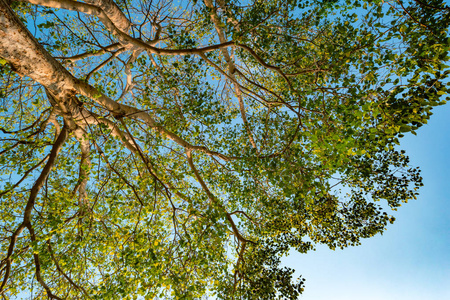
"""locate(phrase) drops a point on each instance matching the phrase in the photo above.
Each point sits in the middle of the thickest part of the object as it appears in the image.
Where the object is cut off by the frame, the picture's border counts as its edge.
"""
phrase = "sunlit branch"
(124, 39)
(231, 70)
(104, 63)
(110, 49)
(62, 85)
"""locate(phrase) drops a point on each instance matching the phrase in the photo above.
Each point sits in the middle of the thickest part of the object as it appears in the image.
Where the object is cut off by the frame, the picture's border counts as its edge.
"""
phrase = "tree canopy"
(177, 149)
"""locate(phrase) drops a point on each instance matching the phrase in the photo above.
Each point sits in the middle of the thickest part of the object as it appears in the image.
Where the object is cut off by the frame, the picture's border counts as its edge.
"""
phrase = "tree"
(178, 150)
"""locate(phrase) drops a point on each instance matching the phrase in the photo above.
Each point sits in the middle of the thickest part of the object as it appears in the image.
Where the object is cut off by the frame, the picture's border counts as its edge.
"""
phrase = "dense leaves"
(192, 144)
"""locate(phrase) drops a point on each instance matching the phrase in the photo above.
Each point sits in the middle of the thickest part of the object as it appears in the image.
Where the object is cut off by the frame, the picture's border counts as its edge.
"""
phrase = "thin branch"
(213, 199)
(24, 176)
(30, 203)
(103, 50)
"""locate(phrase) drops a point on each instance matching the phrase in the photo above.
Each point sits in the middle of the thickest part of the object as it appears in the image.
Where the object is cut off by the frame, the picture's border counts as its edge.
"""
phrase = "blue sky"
(411, 260)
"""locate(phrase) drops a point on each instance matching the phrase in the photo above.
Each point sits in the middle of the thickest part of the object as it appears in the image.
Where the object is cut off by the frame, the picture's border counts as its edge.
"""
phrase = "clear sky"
(411, 260)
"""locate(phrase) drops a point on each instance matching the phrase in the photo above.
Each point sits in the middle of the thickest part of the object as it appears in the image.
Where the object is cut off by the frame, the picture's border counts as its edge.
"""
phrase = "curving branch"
(37, 264)
(60, 270)
(26, 223)
(114, 13)
(213, 198)
(103, 50)
(104, 63)
(125, 40)
(231, 70)
(83, 173)
(129, 86)
(24, 176)
(29, 58)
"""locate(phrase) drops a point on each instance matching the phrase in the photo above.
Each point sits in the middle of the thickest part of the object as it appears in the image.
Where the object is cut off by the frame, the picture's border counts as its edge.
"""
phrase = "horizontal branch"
(29, 58)
(124, 39)
(103, 50)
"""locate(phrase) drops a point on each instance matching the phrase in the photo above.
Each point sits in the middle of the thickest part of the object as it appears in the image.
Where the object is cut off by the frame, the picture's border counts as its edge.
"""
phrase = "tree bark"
(28, 57)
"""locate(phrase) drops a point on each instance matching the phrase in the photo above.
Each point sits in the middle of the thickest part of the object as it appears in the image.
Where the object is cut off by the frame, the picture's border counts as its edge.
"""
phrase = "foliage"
(281, 135)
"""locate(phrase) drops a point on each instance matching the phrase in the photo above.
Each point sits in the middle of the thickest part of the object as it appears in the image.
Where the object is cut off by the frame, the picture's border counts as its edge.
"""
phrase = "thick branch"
(85, 163)
(114, 13)
(129, 86)
(28, 57)
(124, 38)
